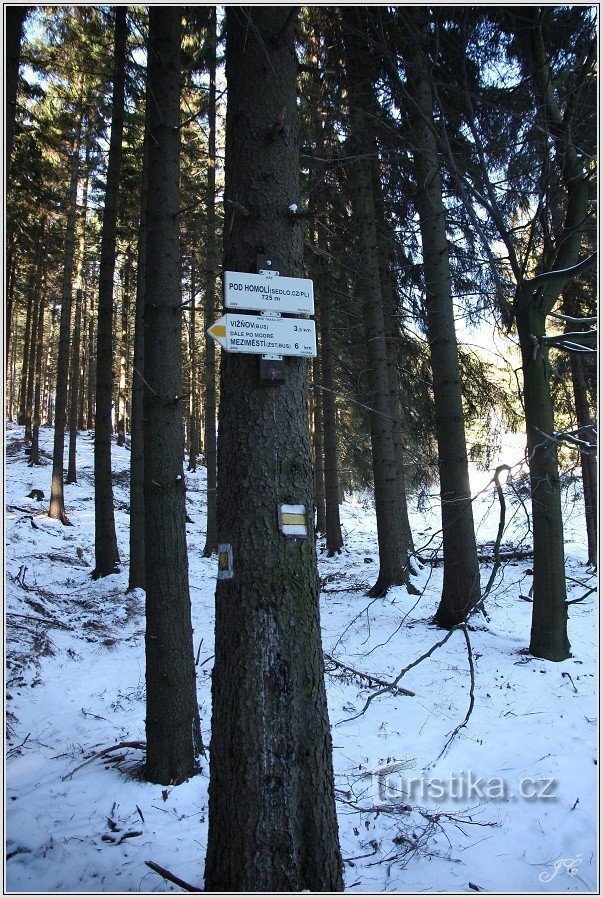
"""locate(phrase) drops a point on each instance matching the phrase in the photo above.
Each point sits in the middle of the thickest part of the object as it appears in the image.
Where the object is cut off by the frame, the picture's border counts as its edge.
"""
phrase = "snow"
(75, 686)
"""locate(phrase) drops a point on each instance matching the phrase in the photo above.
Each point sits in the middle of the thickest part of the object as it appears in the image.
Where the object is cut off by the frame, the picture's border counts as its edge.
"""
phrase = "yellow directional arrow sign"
(262, 335)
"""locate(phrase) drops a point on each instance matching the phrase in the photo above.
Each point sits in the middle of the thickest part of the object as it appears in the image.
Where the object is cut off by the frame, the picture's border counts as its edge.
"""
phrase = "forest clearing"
(301, 448)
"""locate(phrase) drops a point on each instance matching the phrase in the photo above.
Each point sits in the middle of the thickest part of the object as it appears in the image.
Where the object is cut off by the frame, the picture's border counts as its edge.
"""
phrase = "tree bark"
(122, 406)
(318, 450)
(105, 539)
(549, 611)
(74, 390)
(136, 579)
(389, 291)
(76, 362)
(193, 427)
(211, 531)
(57, 495)
(272, 821)
(34, 456)
(334, 538)
(172, 718)
(393, 548)
(32, 286)
(461, 587)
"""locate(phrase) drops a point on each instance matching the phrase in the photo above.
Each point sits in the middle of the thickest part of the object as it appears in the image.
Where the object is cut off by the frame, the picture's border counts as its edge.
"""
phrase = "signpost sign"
(262, 335)
(268, 293)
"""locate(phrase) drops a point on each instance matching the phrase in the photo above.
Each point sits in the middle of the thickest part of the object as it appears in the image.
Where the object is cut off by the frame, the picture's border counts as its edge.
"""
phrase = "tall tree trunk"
(34, 456)
(328, 411)
(549, 613)
(136, 578)
(57, 495)
(334, 538)
(31, 361)
(123, 352)
(172, 719)
(193, 440)
(105, 539)
(137, 536)
(389, 292)
(211, 532)
(11, 266)
(272, 821)
(74, 389)
(393, 549)
(584, 418)
(74, 385)
(549, 637)
(461, 587)
(27, 338)
(588, 463)
(91, 380)
(318, 450)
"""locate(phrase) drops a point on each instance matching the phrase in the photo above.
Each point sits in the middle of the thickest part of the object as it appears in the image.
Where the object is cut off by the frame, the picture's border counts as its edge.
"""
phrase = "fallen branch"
(171, 878)
(370, 678)
(50, 622)
(581, 599)
(477, 603)
(101, 754)
(462, 627)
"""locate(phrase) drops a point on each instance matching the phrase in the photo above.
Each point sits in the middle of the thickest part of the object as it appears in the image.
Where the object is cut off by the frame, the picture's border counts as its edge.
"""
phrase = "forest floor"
(510, 806)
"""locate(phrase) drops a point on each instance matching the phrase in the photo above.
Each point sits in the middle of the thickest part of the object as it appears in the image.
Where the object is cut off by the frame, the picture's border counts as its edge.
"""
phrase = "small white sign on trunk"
(268, 293)
(262, 335)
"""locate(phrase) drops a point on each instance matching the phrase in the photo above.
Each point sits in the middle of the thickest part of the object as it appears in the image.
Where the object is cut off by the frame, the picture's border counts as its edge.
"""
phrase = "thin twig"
(364, 676)
(100, 754)
(462, 627)
(172, 878)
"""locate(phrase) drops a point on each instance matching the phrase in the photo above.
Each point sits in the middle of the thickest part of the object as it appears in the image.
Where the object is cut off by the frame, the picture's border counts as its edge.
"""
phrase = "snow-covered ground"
(510, 806)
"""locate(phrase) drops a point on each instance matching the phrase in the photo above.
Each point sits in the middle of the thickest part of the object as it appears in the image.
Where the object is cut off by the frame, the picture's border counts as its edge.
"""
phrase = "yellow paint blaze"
(288, 518)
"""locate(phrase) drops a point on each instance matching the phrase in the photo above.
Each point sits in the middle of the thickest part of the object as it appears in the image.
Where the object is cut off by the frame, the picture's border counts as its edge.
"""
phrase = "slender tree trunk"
(27, 339)
(91, 381)
(334, 538)
(105, 539)
(549, 613)
(389, 292)
(272, 821)
(193, 417)
(461, 588)
(588, 463)
(74, 390)
(12, 364)
(123, 353)
(172, 720)
(74, 385)
(326, 397)
(11, 265)
(318, 447)
(393, 550)
(584, 418)
(136, 579)
(57, 496)
(31, 361)
(549, 637)
(48, 368)
(211, 533)
(34, 456)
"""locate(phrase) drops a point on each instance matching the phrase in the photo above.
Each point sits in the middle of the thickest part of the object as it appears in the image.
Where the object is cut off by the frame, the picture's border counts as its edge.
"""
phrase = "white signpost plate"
(268, 293)
(261, 335)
